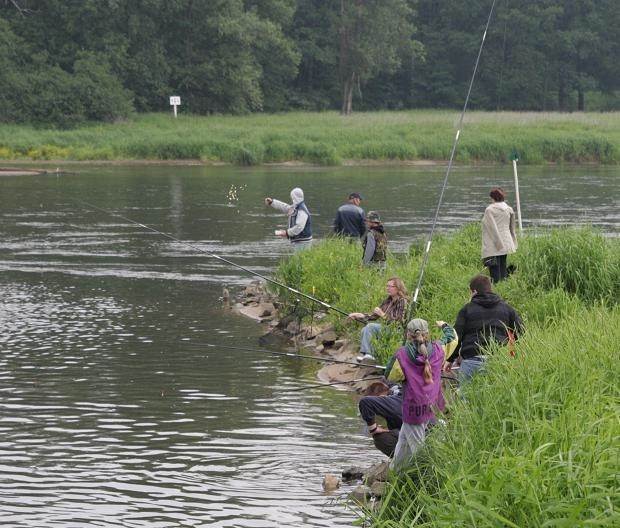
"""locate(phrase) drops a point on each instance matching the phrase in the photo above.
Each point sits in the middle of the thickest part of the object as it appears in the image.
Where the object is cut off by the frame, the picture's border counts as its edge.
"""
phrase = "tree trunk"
(562, 97)
(581, 101)
(347, 95)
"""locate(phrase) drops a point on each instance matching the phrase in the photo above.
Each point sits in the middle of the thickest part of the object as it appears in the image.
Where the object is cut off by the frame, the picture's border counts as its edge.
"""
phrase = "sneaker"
(365, 358)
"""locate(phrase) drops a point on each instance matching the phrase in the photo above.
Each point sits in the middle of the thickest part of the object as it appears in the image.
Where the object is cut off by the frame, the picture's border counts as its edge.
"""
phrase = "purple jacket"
(420, 401)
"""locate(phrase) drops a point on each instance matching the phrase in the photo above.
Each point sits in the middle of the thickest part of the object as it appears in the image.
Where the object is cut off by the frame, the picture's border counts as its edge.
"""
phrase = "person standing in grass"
(349, 219)
(391, 310)
(299, 230)
(482, 321)
(374, 241)
(499, 238)
(418, 364)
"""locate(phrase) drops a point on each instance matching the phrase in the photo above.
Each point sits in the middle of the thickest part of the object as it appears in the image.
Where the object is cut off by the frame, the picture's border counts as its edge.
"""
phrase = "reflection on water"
(114, 410)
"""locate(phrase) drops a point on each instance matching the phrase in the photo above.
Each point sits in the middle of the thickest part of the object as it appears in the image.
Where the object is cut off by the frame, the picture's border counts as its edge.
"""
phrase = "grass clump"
(579, 261)
(534, 441)
(327, 138)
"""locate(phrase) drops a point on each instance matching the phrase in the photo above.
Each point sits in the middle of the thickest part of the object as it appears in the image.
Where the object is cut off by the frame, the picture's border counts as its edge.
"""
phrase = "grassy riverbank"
(535, 443)
(328, 138)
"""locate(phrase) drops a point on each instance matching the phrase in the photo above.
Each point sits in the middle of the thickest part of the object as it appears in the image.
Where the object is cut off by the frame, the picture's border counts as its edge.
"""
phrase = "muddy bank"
(22, 172)
(335, 354)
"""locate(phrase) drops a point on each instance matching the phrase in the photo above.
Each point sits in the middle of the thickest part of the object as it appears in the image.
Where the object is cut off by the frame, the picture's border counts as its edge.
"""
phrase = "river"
(116, 412)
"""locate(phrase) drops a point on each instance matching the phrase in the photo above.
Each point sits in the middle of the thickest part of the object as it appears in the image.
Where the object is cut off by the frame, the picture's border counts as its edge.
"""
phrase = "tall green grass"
(535, 440)
(558, 271)
(534, 443)
(328, 138)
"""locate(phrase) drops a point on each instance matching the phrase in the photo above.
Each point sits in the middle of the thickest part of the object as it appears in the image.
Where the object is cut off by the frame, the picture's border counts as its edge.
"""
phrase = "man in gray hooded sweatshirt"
(299, 230)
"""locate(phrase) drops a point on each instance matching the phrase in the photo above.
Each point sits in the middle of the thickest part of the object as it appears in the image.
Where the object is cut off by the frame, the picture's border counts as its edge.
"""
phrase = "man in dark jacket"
(387, 403)
(349, 219)
(482, 321)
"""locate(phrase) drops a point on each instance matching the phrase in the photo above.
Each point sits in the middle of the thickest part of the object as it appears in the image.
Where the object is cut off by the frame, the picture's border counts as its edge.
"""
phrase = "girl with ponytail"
(418, 364)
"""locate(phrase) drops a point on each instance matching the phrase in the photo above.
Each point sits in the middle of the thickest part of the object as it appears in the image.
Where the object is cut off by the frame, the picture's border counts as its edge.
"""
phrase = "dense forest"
(63, 62)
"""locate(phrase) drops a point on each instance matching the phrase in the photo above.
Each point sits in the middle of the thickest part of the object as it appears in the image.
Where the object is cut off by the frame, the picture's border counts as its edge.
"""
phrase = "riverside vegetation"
(534, 442)
(327, 138)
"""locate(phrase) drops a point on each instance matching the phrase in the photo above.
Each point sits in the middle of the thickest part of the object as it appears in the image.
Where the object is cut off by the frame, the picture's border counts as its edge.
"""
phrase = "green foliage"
(319, 138)
(533, 441)
(99, 95)
(240, 56)
(578, 261)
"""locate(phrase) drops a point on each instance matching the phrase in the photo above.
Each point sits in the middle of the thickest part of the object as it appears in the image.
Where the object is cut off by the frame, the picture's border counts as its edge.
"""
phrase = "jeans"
(303, 244)
(368, 332)
(469, 367)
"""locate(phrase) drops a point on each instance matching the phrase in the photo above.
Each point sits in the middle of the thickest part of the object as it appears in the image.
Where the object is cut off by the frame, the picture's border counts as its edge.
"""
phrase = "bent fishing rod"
(230, 262)
(414, 300)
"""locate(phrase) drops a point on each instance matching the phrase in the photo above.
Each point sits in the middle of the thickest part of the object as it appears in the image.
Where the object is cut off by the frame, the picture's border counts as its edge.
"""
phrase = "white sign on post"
(175, 101)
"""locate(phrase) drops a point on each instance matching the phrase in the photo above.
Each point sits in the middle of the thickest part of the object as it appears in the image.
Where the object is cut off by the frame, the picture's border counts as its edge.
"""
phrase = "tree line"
(64, 62)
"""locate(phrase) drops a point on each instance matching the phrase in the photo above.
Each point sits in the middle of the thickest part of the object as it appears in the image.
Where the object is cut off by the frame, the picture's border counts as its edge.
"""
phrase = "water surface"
(115, 411)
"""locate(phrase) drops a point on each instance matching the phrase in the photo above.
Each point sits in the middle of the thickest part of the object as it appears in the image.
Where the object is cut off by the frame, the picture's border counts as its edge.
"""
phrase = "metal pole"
(515, 158)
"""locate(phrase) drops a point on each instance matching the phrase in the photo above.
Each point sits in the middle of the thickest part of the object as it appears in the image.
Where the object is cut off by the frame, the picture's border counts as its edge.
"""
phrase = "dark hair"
(481, 283)
(498, 194)
(377, 388)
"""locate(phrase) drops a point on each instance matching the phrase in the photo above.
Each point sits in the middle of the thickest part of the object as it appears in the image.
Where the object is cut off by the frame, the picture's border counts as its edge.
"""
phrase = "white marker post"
(515, 158)
(175, 101)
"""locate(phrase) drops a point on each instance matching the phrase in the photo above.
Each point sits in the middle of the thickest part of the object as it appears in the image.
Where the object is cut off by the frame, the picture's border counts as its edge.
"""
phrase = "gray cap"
(417, 325)
(373, 216)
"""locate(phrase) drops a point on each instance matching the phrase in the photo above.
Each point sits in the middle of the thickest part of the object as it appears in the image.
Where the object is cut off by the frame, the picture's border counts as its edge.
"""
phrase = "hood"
(486, 299)
(499, 205)
(297, 196)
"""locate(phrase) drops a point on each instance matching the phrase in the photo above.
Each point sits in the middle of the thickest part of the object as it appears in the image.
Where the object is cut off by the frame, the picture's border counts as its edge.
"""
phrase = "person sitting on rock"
(386, 402)
(392, 309)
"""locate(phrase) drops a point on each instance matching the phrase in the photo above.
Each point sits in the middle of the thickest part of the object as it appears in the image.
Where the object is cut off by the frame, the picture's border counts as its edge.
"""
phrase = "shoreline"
(335, 354)
(13, 167)
(7, 164)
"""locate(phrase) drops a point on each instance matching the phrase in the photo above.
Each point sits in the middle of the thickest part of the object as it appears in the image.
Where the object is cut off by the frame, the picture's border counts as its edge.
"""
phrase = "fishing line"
(414, 300)
(247, 270)
(297, 389)
(295, 355)
(302, 356)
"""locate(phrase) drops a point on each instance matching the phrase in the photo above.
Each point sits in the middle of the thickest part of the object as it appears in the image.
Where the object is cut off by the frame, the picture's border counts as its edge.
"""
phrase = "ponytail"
(420, 339)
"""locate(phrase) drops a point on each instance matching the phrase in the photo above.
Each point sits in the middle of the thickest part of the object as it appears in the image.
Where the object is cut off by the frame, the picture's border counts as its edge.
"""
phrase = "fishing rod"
(297, 389)
(302, 356)
(199, 249)
(414, 300)
(291, 354)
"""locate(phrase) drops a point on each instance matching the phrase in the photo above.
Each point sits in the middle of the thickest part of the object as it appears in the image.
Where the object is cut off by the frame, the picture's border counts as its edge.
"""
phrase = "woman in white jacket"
(499, 238)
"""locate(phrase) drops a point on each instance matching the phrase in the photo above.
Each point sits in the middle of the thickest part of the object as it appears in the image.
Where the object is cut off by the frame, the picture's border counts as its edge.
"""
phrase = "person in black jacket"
(386, 402)
(349, 219)
(482, 321)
